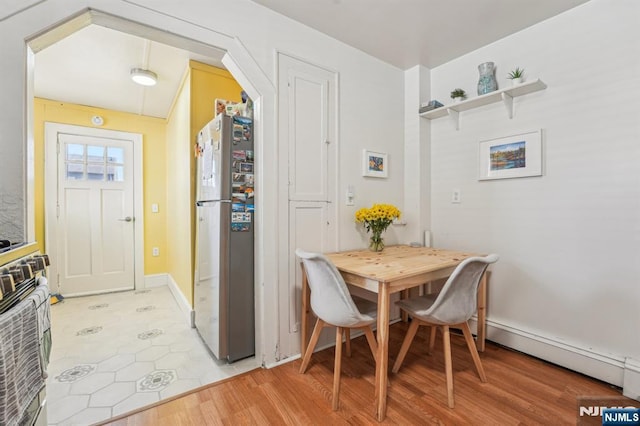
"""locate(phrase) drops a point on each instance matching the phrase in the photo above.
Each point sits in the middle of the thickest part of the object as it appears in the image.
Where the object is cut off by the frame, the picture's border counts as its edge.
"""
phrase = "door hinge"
(58, 147)
(58, 211)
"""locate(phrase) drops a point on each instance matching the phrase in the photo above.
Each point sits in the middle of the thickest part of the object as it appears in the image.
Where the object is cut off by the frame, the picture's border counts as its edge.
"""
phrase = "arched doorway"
(240, 63)
(245, 70)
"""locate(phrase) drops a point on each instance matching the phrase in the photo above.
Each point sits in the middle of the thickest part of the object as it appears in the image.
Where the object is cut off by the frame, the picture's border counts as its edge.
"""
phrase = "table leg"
(382, 359)
(482, 313)
(304, 317)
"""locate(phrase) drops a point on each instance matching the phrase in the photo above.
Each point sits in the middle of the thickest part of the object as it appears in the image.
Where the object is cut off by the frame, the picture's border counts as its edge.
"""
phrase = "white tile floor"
(117, 352)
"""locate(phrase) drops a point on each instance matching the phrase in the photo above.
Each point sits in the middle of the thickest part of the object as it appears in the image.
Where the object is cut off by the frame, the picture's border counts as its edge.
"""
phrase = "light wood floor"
(520, 390)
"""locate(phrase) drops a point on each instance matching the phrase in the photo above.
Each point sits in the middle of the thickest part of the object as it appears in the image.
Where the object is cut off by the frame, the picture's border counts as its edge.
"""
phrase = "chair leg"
(406, 343)
(447, 364)
(336, 369)
(312, 344)
(471, 344)
(347, 341)
(404, 294)
(432, 337)
(371, 340)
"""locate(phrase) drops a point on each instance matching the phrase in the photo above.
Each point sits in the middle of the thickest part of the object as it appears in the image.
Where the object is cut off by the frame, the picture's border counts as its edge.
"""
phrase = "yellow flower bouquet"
(377, 219)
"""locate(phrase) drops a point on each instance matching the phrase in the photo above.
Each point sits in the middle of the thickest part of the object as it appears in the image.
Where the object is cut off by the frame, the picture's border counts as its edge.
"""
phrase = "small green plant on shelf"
(516, 74)
(458, 93)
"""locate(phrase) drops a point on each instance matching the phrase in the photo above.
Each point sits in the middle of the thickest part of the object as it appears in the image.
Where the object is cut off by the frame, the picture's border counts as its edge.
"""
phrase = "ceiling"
(406, 33)
(92, 65)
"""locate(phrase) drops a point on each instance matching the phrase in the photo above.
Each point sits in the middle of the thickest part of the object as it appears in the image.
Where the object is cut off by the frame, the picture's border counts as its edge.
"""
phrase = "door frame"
(51, 131)
(244, 65)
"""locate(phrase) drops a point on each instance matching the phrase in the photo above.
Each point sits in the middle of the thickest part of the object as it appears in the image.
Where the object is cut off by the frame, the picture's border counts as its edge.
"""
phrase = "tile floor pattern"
(117, 352)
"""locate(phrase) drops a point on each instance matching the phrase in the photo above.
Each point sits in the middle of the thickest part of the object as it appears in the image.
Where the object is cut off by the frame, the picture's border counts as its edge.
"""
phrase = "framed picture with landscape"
(375, 164)
(511, 156)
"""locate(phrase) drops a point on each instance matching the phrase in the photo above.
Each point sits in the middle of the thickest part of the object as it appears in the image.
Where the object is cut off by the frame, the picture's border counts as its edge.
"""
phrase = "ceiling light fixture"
(144, 77)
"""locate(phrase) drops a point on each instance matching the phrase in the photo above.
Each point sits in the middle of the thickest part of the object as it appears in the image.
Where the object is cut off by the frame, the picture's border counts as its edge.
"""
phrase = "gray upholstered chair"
(451, 308)
(334, 306)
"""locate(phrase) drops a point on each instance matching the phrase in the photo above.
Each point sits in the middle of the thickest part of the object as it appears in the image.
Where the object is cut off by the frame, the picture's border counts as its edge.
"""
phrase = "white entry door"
(307, 106)
(95, 219)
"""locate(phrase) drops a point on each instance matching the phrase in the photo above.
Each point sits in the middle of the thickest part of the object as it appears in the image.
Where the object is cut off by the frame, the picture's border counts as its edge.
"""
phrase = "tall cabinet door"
(307, 98)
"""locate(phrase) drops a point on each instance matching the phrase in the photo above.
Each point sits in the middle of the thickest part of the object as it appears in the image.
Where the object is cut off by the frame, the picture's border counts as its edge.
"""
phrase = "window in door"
(96, 163)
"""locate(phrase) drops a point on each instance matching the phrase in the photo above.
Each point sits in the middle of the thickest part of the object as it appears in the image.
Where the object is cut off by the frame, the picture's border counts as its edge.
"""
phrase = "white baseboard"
(282, 361)
(184, 305)
(155, 280)
(319, 347)
(631, 387)
(327, 340)
(605, 367)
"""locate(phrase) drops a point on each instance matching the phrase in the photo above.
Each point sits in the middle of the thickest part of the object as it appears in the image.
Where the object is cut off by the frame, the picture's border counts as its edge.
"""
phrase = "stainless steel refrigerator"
(224, 276)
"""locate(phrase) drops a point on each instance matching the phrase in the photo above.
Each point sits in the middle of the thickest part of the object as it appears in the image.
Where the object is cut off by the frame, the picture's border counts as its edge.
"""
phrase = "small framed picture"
(375, 164)
(511, 156)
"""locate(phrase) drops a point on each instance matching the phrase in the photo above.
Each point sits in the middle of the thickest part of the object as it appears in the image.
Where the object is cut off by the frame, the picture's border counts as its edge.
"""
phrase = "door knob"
(126, 219)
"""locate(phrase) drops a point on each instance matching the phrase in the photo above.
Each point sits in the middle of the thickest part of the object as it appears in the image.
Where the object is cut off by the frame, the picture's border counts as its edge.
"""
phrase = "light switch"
(456, 197)
(350, 201)
(154, 208)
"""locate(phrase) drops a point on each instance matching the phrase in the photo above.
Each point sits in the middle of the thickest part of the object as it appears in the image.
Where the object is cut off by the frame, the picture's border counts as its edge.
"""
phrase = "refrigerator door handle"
(203, 202)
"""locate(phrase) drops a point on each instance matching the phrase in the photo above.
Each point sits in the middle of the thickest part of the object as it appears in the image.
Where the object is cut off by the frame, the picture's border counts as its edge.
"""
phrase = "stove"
(18, 280)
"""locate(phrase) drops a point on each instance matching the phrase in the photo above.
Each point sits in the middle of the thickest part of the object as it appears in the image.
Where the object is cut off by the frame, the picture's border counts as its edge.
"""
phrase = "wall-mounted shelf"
(506, 95)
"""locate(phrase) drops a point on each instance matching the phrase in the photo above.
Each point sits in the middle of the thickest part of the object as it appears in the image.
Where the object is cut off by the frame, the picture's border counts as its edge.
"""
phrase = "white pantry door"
(307, 105)
(95, 207)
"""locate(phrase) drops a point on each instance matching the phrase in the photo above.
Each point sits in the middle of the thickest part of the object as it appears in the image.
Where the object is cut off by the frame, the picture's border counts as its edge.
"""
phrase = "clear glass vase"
(487, 82)
(376, 242)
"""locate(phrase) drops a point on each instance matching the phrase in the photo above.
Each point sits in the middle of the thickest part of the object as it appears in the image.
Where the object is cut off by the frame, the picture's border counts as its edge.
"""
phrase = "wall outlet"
(155, 251)
(456, 198)
(154, 208)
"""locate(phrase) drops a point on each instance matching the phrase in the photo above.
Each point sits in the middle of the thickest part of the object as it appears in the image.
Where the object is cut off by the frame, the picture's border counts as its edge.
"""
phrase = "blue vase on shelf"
(487, 82)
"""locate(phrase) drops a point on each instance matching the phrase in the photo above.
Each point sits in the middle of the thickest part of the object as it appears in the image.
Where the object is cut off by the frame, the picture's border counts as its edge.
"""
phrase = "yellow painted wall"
(193, 108)
(153, 131)
(178, 192)
(208, 84)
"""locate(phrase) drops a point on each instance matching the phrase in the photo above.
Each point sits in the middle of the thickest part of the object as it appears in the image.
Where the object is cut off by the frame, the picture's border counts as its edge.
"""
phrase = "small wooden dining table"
(392, 270)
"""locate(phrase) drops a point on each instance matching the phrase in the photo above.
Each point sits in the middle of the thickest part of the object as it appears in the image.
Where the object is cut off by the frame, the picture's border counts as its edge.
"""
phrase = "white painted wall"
(370, 102)
(569, 241)
(417, 150)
